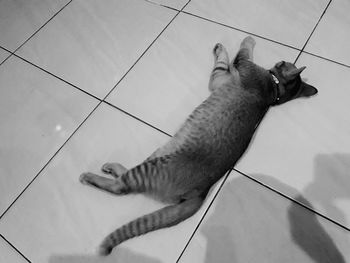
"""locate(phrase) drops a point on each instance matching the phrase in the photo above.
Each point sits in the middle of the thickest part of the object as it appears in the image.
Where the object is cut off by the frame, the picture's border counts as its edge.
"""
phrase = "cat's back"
(225, 118)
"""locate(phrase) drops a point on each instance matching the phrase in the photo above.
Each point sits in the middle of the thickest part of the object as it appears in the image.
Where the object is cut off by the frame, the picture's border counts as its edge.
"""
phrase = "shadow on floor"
(121, 255)
(331, 183)
(279, 225)
(309, 235)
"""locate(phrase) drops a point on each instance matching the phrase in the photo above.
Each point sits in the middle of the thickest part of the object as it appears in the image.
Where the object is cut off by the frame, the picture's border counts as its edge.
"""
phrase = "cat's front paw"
(84, 178)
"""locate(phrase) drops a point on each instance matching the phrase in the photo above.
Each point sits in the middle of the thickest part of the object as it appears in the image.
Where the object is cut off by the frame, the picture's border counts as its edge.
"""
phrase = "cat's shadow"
(122, 256)
(295, 223)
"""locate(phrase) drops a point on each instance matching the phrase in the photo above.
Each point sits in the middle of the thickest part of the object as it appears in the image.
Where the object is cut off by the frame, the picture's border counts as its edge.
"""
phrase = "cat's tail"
(165, 217)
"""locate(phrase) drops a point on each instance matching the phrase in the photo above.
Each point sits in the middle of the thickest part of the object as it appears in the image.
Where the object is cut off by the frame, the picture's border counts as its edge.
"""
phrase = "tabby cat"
(208, 144)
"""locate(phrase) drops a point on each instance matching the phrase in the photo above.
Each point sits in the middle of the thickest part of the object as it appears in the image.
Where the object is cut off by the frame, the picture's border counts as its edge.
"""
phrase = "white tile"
(92, 45)
(172, 78)
(305, 143)
(249, 223)
(69, 219)
(178, 4)
(8, 254)
(3, 54)
(289, 22)
(37, 114)
(20, 19)
(331, 38)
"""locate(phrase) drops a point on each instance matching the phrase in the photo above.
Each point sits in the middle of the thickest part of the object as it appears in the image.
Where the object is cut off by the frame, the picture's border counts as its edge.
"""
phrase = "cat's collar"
(276, 88)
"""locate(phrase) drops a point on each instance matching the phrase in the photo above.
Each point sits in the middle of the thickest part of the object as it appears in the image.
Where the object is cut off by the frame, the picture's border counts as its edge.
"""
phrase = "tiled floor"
(89, 83)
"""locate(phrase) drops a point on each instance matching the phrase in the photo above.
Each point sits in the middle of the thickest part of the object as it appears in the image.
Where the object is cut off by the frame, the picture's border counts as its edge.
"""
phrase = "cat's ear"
(307, 90)
(293, 73)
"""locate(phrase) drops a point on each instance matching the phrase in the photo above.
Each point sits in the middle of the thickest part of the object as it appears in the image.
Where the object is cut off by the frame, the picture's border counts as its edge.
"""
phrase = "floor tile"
(92, 45)
(8, 254)
(69, 219)
(20, 19)
(3, 54)
(249, 223)
(178, 4)
(305, 145)
(284, 21)
(37, 113)
(172, 78)
(331, 37)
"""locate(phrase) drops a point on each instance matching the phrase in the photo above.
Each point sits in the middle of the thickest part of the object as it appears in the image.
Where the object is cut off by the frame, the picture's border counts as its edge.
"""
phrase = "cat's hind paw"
(114, 169)
(249, 41)
(218, 48)
(84, 178)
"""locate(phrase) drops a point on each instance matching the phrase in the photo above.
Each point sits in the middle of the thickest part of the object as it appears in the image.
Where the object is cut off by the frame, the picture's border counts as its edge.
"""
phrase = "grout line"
(313, 30)
(53, 75)
(13, 52)
(241, 30)
(19, 252)
(103, 100)
(166, 6)
(293, 200)
(51, 158)
(328, 59)
(8, 56)
(267, 187)
(203, 216)
(42, 26)
(100, 101)
(137, 118)
(144, 52)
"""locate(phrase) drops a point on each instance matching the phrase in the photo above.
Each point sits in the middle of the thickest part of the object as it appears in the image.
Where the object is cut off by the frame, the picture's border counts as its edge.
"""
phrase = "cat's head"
(288, 83)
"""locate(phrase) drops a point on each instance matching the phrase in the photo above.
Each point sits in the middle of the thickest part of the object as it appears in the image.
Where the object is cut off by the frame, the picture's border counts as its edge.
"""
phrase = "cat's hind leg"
(114, 169)
(221, 67)
(245, 51)
(139, 179)
(248, 44)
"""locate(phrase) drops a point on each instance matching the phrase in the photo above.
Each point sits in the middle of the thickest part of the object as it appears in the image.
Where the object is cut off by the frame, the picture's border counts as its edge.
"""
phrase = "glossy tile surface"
(331, 39)
(69, 219)
(8, 254)
(178, 4)
(172, 78)
(37, 114)
(3, 54)
(288, 22)
(20, 19)
(248, 223)
(92, 45)
(301, 149)
(305, 145)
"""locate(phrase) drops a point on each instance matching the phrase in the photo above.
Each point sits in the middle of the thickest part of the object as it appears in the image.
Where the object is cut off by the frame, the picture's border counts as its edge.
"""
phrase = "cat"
(207, 145)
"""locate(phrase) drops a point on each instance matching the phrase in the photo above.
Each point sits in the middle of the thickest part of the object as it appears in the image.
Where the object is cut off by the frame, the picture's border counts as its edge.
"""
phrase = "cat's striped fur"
(208, 144)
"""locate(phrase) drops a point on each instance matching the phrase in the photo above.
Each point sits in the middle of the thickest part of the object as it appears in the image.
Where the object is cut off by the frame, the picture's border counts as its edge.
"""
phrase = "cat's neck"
(276, 88)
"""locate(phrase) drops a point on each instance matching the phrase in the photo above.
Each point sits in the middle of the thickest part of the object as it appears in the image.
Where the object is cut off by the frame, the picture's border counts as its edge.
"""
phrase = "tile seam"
(15, 248)
(280, 193)
(204, 214)
(142, 54)
(88, 115)
(313, 30)
(35, 32)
